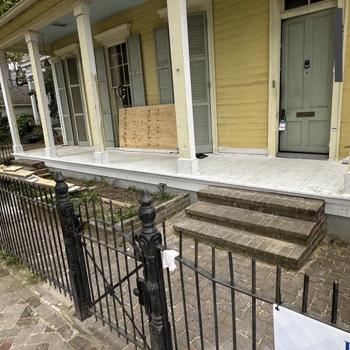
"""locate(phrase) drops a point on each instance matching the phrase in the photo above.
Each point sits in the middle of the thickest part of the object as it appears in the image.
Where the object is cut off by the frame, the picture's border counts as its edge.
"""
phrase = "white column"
(82, 15)
(33, 102)
(4, 77)
(177, 15)
(34, 55)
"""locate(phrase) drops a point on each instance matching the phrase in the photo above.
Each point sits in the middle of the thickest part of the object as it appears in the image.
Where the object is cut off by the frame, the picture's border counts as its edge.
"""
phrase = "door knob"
(306, 64)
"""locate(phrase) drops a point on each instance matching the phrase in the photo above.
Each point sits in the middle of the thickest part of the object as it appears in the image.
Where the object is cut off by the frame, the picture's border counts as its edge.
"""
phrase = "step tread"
(292, 206)
(246, 241)
(36, 164)
(230, 215)
(266, 197)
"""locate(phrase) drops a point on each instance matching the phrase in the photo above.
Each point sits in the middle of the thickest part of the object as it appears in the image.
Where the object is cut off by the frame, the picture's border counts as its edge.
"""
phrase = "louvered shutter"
(107, 114)
(62, 102)
(161, 37)
(198, 46)
(135, 70)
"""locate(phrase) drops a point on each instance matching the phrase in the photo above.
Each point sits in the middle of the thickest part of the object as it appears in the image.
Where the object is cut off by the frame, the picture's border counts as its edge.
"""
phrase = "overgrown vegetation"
(6, 5)
(28, 131)
(90, 204)
(14, 263)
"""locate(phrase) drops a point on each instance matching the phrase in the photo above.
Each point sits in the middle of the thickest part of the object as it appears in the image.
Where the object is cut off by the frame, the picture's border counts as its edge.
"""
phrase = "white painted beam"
(178, 30)
(82, 15)
(43, 106)
(4, 77)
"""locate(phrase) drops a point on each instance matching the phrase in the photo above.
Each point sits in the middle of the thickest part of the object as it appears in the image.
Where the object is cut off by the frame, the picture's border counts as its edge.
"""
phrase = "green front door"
(306, 84)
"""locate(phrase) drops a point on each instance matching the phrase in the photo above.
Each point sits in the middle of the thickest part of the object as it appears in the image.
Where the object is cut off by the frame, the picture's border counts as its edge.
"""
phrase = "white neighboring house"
(20, 97)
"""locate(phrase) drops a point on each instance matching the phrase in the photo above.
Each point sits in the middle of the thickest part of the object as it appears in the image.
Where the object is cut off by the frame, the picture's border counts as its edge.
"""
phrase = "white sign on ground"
(294, 331)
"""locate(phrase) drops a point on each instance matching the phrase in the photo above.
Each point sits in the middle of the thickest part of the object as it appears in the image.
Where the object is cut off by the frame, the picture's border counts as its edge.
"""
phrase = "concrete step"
(271, 203)
(28, 163)
(279, 227)
(267, 249)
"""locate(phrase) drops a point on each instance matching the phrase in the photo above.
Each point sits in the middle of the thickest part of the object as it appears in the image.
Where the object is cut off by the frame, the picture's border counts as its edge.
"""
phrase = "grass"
(11, 261)
(16, 264)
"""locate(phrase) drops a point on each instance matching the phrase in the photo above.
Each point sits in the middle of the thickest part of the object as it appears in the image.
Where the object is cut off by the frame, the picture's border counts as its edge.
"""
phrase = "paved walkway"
(35, 317)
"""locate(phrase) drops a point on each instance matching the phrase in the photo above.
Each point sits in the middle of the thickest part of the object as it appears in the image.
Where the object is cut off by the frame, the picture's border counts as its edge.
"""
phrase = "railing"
(6, 154)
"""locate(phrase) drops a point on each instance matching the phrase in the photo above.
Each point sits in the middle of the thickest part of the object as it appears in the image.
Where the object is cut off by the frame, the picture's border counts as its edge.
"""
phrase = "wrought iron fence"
(30, 230)
(118, 277)
(6, 154)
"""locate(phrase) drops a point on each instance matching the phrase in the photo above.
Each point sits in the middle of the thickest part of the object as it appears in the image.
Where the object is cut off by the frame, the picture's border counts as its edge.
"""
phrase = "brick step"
(279, 227)
(267, 249)
(271, 203)
(41, 172)
(28, 163)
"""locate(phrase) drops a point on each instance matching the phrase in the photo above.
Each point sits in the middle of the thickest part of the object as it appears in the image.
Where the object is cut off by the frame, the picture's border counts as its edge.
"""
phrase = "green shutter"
(198, 47)
(135, 70)
(107, 114)
(62, 101)
(162, 42)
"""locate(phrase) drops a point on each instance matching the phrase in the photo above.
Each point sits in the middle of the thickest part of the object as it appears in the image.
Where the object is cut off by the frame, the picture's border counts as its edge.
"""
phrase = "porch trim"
(69, 50)
(277, 15)
(114, 36)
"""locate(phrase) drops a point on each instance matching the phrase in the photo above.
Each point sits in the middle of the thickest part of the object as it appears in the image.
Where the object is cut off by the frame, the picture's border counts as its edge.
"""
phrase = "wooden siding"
(148, 127)
(143, 20)
(241, 30)
(345, 115)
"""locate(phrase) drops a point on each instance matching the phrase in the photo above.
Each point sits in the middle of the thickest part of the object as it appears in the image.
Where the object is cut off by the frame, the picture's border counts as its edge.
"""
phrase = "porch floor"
(315, 178)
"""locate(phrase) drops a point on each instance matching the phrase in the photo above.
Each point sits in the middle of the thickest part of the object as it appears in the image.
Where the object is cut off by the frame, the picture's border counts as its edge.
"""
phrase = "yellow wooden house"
(264, 78)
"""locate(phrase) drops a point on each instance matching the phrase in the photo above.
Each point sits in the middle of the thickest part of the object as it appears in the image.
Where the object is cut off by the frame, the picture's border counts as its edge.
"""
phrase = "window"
(120, 77)
(291, 4)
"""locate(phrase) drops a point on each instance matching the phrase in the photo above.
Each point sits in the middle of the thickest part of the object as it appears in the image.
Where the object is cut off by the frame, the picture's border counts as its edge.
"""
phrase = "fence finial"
(147, 212)
(61, 187)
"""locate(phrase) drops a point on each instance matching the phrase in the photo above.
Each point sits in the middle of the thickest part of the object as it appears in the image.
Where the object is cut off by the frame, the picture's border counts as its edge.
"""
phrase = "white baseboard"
(256, 151)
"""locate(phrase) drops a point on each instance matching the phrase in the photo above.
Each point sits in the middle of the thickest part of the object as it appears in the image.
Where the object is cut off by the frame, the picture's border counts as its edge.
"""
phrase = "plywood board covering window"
(152, 127)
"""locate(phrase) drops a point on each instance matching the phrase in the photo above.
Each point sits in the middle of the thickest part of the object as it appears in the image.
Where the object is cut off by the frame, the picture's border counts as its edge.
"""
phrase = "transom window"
(291, 4)
(119, 67)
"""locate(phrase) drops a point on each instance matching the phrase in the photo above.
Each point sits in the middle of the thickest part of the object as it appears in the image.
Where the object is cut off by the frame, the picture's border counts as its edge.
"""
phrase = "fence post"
(74, 249)
(149, 241)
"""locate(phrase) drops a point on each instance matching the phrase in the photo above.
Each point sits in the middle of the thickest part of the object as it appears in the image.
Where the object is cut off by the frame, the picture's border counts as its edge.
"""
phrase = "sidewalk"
(34, 316)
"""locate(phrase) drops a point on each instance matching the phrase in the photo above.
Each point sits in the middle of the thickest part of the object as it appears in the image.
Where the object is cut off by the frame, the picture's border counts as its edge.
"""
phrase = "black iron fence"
(6, 154)
(118, 277)
(30, 230)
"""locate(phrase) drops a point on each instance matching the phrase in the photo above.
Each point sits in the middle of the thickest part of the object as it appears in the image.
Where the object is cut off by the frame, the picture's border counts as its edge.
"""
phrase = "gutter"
(16, 11)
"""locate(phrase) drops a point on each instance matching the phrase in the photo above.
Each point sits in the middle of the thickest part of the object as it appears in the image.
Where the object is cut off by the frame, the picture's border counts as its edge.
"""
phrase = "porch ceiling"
(99, 9)
(66, 25)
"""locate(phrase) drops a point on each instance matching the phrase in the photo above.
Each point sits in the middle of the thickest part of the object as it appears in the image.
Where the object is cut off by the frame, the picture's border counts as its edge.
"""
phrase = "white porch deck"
(314, 178)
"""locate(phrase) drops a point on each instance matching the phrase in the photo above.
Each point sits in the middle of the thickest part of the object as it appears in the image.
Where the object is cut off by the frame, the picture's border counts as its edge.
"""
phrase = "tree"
(5, 5)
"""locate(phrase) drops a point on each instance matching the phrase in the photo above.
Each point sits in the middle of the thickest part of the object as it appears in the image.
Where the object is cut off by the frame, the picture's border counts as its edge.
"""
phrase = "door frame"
(277, 15)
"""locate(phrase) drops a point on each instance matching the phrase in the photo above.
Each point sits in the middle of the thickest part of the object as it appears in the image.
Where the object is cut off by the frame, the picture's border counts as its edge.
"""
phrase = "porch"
(310, 178)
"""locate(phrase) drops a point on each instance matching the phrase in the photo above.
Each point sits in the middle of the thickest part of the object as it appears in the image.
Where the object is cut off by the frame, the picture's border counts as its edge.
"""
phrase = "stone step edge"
(262, 255)
(276, 233)
(280, 210)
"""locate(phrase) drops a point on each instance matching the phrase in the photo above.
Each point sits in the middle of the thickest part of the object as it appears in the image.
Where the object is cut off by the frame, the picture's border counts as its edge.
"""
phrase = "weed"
(34, 278)
(11, 260)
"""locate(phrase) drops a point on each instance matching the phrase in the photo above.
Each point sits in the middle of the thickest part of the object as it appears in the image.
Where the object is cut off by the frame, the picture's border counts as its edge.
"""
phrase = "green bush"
(4, 130)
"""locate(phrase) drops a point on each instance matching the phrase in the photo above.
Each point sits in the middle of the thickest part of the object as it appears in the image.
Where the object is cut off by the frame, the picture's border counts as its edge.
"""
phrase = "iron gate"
(105, 283)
